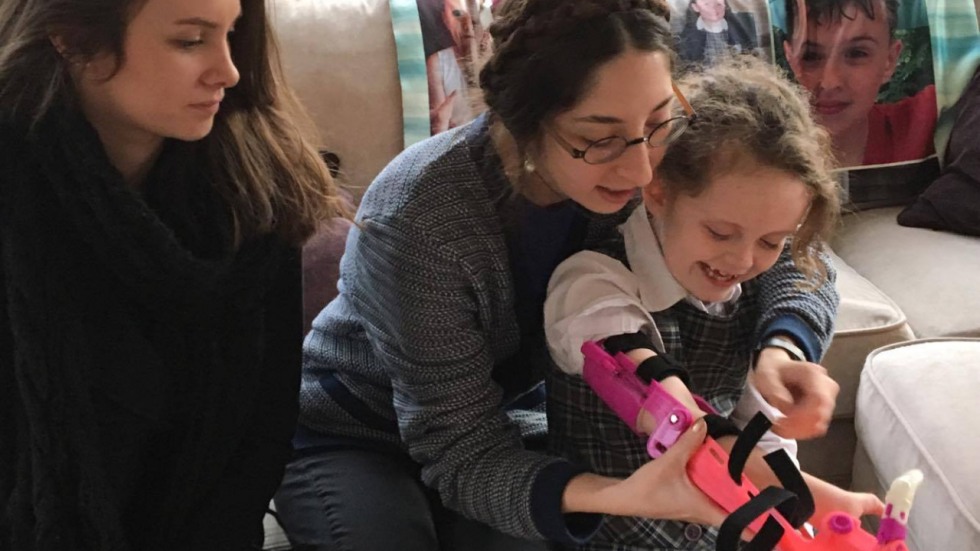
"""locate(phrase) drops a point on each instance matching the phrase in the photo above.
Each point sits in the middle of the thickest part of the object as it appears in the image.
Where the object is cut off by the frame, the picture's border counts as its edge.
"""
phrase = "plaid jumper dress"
(716, 350)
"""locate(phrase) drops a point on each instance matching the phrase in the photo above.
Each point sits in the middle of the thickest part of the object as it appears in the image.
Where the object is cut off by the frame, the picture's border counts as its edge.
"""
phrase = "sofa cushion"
(339, 57)
(930, 275)
(321, 267)
(866, 319)
(952, 202)
(905, 420)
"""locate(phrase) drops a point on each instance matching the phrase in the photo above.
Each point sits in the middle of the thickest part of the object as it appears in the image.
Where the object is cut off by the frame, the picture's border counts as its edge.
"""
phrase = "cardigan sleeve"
(806, 314)
(419, 299)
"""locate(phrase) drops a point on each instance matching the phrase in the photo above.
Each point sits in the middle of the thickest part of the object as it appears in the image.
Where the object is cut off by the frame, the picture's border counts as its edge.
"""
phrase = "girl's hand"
(439, 117)
(802, 391)
(829, 498)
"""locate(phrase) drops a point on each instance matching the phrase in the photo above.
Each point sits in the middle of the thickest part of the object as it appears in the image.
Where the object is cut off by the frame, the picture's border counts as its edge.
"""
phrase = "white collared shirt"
(719, 27)
(592, 296)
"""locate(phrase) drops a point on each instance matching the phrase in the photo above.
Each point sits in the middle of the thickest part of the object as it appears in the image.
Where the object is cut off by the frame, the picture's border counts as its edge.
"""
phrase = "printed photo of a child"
(709, 30)
(871, 82)
(454, 37)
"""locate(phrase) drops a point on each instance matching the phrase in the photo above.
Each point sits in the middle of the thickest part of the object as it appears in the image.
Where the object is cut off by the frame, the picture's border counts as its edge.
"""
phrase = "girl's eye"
(769, 245)
(717, 236)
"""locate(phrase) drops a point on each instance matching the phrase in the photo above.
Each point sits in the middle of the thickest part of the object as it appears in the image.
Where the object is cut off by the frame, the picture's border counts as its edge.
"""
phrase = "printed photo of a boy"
(844, 52)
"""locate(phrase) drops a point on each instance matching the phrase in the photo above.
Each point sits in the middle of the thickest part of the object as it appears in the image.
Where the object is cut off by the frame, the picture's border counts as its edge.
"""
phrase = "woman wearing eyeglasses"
(422, 404)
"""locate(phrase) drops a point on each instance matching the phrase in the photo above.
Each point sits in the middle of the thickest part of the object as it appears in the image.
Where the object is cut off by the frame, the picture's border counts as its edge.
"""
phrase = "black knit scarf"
(130, 338)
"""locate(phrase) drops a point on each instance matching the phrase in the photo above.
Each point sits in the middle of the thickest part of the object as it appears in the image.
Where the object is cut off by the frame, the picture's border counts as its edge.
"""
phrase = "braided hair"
(546, 53)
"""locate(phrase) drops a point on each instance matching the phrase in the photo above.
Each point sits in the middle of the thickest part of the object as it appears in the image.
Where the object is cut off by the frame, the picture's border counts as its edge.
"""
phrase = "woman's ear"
(793, 53)
(59, 45)
(71, 60)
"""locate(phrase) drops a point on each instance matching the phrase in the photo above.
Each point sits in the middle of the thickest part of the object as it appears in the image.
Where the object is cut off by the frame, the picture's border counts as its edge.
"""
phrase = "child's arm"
(673, 385)
(806, 318)
(827, 498)
(591, 296)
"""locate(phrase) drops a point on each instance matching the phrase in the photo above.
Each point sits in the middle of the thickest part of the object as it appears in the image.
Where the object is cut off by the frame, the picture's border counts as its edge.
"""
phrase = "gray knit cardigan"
(418, 349)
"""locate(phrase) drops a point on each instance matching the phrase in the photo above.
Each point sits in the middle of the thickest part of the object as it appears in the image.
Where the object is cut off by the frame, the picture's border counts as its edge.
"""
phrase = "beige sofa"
(913, 402)
(897, 284)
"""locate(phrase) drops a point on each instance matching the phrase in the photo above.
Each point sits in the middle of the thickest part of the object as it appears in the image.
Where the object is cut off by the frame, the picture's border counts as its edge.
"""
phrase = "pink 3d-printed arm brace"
(615, 381)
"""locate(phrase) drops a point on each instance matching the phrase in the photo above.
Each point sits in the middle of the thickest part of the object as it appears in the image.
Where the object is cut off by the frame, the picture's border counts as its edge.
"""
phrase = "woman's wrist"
(592, 493)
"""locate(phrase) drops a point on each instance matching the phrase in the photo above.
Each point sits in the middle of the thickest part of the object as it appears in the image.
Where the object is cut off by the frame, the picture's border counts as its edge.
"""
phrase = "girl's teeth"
(715, 274)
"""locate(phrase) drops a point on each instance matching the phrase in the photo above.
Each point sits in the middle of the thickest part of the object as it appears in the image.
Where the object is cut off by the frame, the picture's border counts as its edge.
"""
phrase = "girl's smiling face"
(733, 231)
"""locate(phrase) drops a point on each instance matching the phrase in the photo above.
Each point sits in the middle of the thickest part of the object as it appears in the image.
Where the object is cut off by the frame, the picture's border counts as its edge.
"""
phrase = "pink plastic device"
(614, 379)
(708, 470)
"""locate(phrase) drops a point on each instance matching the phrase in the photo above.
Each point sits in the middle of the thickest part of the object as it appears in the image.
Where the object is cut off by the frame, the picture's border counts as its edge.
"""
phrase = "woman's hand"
(660, 489)
(802, 391)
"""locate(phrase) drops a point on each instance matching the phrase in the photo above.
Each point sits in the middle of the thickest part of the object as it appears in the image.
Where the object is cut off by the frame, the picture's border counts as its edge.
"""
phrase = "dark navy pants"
(363, 500)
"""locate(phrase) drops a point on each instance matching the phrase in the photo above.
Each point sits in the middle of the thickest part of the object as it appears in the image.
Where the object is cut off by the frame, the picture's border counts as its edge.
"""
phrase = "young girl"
(751, 175)
(154, 191)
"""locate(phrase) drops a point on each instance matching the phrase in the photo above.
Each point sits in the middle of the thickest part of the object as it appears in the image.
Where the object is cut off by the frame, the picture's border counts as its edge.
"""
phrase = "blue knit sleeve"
(807, 315)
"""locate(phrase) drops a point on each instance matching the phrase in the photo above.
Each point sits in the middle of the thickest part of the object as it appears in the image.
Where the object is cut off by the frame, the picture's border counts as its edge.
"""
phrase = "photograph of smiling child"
(844, 52)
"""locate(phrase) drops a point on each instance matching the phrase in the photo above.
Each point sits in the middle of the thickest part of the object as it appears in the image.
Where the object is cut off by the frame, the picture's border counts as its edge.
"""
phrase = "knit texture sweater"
(148, 368)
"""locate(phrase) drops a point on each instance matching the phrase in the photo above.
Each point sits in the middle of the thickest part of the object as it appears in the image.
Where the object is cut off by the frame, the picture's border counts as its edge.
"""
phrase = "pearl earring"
(529, 165)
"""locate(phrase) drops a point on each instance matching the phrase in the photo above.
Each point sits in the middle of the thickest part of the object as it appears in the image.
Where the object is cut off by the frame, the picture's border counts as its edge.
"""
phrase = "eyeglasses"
(611, 148)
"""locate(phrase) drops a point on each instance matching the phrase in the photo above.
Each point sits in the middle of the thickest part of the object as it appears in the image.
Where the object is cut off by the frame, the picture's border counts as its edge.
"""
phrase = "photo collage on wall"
(868, 65)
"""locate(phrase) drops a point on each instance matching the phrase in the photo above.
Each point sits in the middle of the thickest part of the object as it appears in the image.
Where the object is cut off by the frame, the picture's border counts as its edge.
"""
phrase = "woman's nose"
(635, 165)
(223, 72)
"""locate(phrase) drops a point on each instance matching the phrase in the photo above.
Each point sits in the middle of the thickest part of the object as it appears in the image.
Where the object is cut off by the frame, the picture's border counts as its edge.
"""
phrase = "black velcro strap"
(717, 426)
(730, 533)
(744, 445)
(627, 342)
(659, 367)
(768, 537)
(792, 480)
